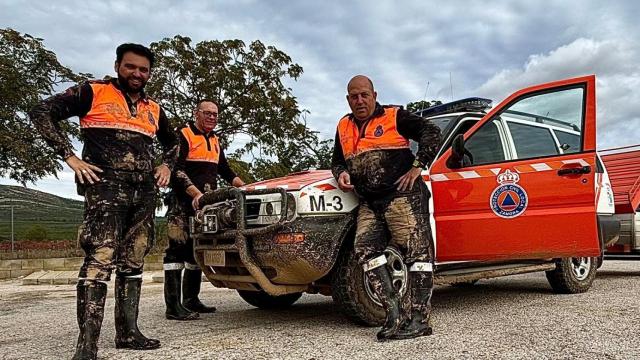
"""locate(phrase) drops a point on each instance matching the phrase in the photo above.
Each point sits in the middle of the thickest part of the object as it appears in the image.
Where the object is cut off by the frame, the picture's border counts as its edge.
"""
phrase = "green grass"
(55, 230)
(60, 217)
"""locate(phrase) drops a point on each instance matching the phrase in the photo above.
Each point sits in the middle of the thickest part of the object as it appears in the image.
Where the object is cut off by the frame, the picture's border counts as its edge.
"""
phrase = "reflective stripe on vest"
(198, 149)
(381, 134)
(109, 110)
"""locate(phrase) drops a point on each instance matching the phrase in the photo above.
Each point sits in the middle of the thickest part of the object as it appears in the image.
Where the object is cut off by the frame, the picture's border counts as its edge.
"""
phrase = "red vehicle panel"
(527, 207)
(623, 166)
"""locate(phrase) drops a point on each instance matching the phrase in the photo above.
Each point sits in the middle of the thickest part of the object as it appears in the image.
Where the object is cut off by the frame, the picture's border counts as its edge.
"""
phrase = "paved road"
(510, 318)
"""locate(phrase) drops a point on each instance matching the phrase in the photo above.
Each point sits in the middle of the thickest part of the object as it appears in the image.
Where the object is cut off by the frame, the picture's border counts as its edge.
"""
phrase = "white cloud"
(618, 81)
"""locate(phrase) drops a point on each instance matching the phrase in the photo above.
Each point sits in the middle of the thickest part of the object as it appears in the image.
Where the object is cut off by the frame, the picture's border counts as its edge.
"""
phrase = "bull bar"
(240, 234)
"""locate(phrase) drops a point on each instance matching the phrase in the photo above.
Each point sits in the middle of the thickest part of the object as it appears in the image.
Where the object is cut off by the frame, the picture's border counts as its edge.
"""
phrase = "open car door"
(525, 189)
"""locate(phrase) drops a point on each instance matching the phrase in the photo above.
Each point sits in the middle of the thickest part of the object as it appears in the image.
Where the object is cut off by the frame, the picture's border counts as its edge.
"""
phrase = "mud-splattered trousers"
(179, 253)
(204, 176)
(118, 227)
(400, 220)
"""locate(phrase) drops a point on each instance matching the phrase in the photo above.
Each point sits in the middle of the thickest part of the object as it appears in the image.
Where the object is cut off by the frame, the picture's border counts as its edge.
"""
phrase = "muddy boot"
(91, 299)
(172, 290)
(191, 289)
(421, 289)
(382, 285)
(126, 316)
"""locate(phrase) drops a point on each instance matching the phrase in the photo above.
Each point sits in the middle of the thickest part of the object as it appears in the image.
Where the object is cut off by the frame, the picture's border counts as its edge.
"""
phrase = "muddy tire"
(573, 275)
(350, 294)
(262, 300)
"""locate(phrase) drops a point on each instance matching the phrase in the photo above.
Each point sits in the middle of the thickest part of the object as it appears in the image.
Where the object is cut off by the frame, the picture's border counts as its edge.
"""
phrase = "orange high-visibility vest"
(381, 134)
(199, 148)
(109, 110)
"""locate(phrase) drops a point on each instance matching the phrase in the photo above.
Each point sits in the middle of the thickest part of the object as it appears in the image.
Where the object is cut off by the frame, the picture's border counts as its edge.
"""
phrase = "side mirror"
(456, 160)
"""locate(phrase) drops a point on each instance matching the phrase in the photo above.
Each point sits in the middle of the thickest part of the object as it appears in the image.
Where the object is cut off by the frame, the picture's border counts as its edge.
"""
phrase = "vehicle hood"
(291, 182)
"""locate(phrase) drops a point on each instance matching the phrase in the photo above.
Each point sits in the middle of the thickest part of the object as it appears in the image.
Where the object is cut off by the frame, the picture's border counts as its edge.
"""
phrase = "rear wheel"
(262, 300)
(573, 275)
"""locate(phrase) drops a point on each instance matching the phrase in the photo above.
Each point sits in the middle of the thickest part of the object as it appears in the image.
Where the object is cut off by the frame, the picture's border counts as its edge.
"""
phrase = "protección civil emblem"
(508, 200)
(379, 131)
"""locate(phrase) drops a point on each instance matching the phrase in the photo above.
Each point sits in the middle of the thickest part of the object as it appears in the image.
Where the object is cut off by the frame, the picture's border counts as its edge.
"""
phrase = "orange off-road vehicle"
(530, 195)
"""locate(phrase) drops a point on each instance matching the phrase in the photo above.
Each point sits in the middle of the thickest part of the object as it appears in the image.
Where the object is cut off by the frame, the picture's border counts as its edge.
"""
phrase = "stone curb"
(58, 277)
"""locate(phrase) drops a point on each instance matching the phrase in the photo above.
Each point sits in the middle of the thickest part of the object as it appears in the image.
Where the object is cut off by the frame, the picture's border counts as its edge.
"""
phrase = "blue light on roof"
(468, 104)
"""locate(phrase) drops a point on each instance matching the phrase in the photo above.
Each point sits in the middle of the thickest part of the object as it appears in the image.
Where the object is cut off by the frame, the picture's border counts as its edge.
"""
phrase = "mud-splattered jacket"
(373, 172)
(200, 161)
(108, 148)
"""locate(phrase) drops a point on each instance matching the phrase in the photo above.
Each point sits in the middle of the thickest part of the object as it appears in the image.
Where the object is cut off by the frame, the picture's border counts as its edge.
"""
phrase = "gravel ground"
(516, 317)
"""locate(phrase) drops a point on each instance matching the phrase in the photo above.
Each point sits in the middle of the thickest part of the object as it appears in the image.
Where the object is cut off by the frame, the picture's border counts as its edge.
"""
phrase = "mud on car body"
(515, 189)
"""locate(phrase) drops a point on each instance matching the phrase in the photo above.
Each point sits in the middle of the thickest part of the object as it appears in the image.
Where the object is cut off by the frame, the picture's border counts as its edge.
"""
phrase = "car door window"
(486, 145)
(532, 141)
(569, 143)
(536, 115)
(523, 130)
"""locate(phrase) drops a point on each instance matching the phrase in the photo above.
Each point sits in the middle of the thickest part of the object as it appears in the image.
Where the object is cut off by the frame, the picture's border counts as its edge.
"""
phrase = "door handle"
(575, 171)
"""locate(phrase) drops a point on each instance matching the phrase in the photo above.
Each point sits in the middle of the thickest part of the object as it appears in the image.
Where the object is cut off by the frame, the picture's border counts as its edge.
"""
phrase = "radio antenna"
(451, 85)
(424, 98)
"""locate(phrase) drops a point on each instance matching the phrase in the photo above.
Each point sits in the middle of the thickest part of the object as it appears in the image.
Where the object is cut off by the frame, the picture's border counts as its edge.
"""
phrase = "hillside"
(36, 205)
(34, 210)
(59, 216)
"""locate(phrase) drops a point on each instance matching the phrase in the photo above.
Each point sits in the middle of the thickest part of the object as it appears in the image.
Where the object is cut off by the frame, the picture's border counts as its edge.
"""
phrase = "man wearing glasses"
(200, 161)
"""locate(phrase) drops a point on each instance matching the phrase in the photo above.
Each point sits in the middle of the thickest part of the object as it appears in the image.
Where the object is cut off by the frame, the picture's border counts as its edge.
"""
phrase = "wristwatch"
(417, 164)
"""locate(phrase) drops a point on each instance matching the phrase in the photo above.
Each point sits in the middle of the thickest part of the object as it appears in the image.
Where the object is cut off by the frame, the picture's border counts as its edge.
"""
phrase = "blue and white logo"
(509, 200)
(379, 131)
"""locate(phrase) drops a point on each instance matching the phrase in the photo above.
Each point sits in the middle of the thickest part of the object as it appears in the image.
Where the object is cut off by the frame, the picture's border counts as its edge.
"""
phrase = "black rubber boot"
(126, 316)
(191, 290)
(172, 291)
(382, 285)
(91, 299)
(421, 290)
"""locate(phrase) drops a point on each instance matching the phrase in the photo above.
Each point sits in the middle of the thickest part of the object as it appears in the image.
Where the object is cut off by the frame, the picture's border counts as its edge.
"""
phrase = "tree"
(254, 103)
(422, 105)
(36, 233)
(28, 72)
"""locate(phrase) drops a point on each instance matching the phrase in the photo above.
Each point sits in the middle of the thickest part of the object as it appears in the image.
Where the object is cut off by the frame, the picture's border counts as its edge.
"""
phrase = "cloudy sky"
(459, 48)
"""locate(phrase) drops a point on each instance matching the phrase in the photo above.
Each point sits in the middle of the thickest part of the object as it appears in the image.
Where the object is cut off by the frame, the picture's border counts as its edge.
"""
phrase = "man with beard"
(201, 160)
(371, 155)
(116, 175)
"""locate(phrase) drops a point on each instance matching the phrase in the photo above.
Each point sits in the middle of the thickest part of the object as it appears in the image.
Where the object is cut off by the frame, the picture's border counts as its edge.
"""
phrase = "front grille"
(252, 207)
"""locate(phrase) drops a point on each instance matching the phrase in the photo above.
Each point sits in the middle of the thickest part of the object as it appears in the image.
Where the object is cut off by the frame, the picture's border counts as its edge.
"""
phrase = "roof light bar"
(468, 104)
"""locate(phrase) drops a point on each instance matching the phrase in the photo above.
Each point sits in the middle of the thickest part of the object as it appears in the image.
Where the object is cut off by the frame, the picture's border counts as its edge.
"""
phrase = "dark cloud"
(472, 48)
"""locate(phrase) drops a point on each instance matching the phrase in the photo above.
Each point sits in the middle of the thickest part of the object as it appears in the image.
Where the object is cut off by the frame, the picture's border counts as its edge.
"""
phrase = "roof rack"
(469, 104)
(543, 119)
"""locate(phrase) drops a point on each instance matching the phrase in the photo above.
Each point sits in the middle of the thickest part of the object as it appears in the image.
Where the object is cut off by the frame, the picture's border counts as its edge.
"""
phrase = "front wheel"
(262, 300)
(573, 275)
(353, 293)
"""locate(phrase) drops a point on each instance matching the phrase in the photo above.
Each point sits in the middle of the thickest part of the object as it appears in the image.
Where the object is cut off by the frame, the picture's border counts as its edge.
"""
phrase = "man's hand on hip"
(83, 169)
(406, 181)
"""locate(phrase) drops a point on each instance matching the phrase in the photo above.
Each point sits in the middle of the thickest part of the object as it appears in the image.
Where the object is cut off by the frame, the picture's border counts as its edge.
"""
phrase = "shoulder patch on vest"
(379, 131)
(152, 121)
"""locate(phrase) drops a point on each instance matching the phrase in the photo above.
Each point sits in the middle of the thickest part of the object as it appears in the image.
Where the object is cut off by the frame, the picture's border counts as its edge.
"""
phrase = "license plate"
(214, 258)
